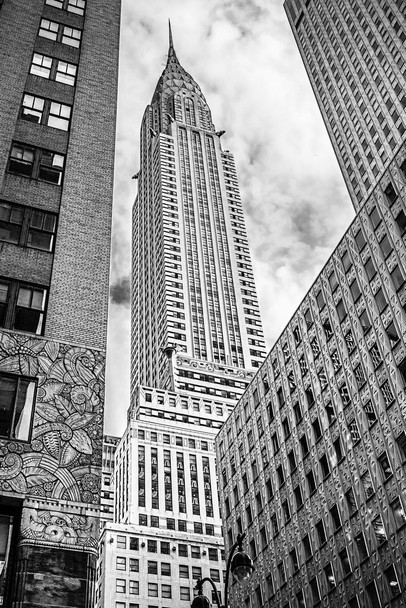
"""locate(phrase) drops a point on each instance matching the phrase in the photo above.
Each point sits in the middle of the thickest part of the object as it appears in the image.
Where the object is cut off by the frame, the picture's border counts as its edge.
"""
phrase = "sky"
(244, 57)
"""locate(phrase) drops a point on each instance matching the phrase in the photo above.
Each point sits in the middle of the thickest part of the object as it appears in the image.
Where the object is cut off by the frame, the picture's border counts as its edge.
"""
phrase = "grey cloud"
(120, 291)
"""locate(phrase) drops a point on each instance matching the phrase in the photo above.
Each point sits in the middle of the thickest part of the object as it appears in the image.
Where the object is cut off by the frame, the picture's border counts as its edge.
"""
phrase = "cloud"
(120, 291)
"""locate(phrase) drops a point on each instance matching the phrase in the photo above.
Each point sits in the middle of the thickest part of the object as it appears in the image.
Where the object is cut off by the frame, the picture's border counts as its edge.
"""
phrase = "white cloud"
(243, 56)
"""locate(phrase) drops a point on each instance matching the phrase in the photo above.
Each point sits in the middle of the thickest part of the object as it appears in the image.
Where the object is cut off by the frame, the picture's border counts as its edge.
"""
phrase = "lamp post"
(241, 567)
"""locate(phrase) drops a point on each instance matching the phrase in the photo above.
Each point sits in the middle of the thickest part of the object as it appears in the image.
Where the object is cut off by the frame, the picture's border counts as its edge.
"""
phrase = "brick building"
(57, 131)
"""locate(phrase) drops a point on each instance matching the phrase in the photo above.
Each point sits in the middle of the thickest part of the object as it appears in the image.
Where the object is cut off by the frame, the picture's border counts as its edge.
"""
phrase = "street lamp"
(241, 567)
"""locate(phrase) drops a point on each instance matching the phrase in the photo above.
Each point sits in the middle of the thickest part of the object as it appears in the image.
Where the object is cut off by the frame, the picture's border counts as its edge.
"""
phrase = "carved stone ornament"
(63, 459)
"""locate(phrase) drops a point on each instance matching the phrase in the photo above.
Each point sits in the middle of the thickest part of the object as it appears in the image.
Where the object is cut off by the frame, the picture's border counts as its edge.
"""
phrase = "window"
(120, 585)
(152, 589)
(71, 36)
(152, 546)
(293, 559)
(338, 450)
(32, 108)
(320, 300)
(196, 572)
(120, 563)
(154, 521)
(183, 571)
(48, 29)
(264, 540)
(300, 599)
(76, 6)
(182, 550)
(292, 461)
(134, 543)
(185, 594)
(286, 428)
(304, 445)
(298, 412)
(275, 443)
(332, 279)
(321, 533)
(401, 222)
(286, 511)
(314, 586)
(215, 575)
(380, 300)
(121, 542)
(370, 269)
(248, 513)
(66, 73)
(253, 549)
(308, 318)
(373, 595)
(398, 512)
(152, 567)
(361, 546)
(134, 564)
(346, 260)
(166, 591)
(307, 548)
(341, 312)
(59, 116)
(36, 163)
(198, 527)
(328, 330)
(360, 240)
(387, 393)
(298, 496)
(366, 481)
(53, 69)
(281, 477)
(375, 218)
(390, 193)
(329, 574)
(281, 573)
(27, 226)
(351, 502)
(385, 246)
(316, 429)
(274, 522)
(311, 483)
(325, 468)
(392, 580)
(309, 397)
(379, 529)
(213, 555)
(22, 306)
(386, 468)
(345, 561)
(355, 290)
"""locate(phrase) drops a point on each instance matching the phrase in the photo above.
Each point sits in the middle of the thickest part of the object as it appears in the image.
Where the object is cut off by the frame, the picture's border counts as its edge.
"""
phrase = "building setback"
(196, 337)
(311, 460)
(57, 131)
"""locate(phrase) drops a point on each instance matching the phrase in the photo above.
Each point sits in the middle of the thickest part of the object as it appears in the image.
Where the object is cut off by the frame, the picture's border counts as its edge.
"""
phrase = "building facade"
(56, 175)
(354, 56)
(196, 338)
(312, 457)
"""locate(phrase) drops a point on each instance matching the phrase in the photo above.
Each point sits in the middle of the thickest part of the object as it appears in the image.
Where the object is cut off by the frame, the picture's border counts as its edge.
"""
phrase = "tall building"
(193, 295)
(58, 98)
(196, 337)
(312, 458)
(355, 59)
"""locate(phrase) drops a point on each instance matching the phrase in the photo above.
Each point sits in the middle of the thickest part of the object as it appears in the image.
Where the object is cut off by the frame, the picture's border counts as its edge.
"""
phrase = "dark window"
(307, 546)
(314, 586)
(359, 375)
(385, 466)
(298, 497)
(152, 546)
(379, 529)
(360, 240)
(346, 260)
(308, 318)
(274, 523)
(380, 300)
(392, 334)
(298, 412)
(269, 489)
(335, 517)
(397, 277)
(320, 300)
(338, 449)
(390, 193)
(316, 429)
(345, 561)
(275, 443)
(328, 330)
(36, 163)
(22, 306)
(373, 594)
(311, 483)
(134, 544)
(401, 222)
(17, 397)
(182, 550)
(292, 461)
(387, 393)
(355, 290)
(264, 540)
(398, 512)
(375, 217)
(296, 335)
(401, 441)
(152, 567)
(286, 511)
(309, 397)
(286, 428)
(351, 502)
(281, 477)
(325, 468)
(282, 574)
(365, 322)
(385, 246)
(362, 548)
(345, 395)
(341, 312)
(331, 415)
(370, 269)
(293, 559)
(154, 521)
(329, 574)
(332, 279)
(392, 580)
(304, 445)
(321, 533)
(370, 413)
(281, 398)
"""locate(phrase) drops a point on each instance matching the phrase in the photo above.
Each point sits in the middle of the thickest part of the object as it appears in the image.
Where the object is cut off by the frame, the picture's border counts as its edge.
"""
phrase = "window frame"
(26, 228)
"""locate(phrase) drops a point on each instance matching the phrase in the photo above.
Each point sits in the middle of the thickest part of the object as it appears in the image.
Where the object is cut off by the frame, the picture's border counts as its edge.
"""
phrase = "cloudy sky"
(244, 57)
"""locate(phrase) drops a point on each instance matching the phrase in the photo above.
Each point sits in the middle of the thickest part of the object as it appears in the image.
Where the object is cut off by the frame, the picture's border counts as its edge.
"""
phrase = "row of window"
(36, 163)
(183, 550)
(53, 69)
(44, 111)
(164, 568)
(71, 6)
(22, 306)
(27, 226)
(133, 588)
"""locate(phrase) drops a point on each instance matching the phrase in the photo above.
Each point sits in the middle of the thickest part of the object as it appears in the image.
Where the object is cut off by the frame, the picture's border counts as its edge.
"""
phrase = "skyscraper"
(196, 341)
(355, 59)
(58, 97)
(193, 288)
(312, 457)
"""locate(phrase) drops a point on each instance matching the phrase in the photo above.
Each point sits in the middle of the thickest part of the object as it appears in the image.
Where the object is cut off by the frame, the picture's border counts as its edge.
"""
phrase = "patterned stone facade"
(312, 459)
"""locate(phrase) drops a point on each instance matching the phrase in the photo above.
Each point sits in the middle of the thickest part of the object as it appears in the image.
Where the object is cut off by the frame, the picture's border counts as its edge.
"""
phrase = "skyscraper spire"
(171, 50)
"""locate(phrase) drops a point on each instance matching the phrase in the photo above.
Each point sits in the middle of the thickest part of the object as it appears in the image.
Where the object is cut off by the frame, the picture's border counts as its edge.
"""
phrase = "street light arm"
(199, 586)
(238, 543)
